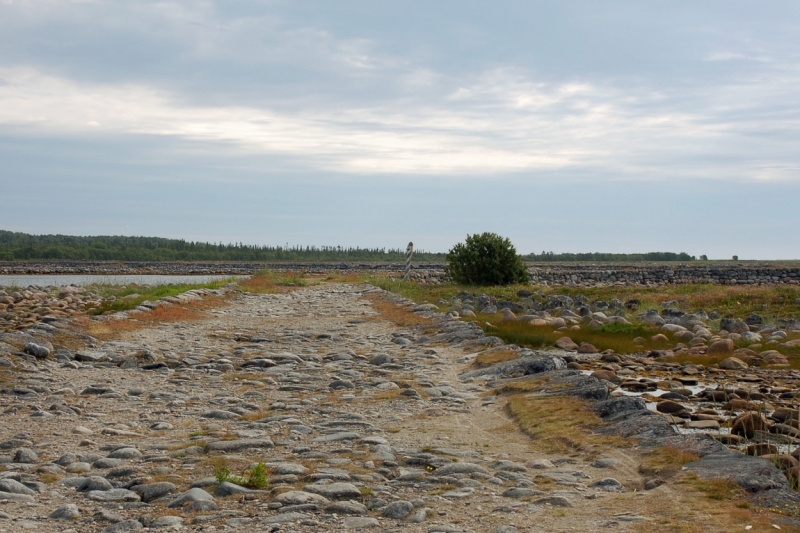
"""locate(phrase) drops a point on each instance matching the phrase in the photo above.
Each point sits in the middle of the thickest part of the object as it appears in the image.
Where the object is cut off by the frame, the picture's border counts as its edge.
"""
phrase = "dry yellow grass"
(400, 315)
(560, 423)
(665, 461)
(488, 359)
(270, 282)
(189, 312)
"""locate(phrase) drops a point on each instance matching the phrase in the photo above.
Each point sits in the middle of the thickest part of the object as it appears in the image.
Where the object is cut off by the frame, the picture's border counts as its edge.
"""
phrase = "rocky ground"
(360, 423)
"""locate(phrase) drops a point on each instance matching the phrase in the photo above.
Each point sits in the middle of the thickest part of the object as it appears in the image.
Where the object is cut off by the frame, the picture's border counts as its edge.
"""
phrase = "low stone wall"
(547, 273)
(660, 274)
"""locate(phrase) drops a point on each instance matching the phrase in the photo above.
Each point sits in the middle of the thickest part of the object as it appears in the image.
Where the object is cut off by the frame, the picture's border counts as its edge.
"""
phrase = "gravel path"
(362, 424)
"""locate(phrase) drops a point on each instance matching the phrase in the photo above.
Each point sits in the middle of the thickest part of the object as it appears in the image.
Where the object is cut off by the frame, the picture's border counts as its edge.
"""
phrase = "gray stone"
(281, 469)
(152, 491)
(420, 516)
(113, 495)
(753, 474)
(26, 455)
(125, 453)
(201, 506)
(166, 521)
(13, 497)
(65, 512)
(14, 486)
(398, 510)
(285, 517)
(354, 522)
(299, 497)
(460, 468)
(342, 435)
(107, 462)
(521, 492)
(39, 352)
(335, 491)
(605, 463)
(94, 483)
(380, 359)
(608, 484)
(124, 527)
(236, 445)
(506, 529)
(190, 496)
(346, 508)
(555, 501)
(226, 489)
(220, 415)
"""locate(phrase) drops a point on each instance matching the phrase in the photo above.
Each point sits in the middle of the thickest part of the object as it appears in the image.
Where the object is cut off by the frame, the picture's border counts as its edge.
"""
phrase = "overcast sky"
(581, 126)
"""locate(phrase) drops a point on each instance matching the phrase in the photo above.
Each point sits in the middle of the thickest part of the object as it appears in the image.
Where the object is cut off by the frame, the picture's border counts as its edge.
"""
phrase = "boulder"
(732, 363)
(565, 343)
(721, 346)
(747, 424)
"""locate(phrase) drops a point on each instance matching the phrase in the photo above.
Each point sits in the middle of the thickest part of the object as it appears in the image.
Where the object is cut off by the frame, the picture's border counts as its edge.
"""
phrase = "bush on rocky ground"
(485, 259)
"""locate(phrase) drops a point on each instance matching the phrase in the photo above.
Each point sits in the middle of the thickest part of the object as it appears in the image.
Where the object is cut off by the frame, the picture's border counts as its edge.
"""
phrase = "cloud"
(325, 96)
(501, 122)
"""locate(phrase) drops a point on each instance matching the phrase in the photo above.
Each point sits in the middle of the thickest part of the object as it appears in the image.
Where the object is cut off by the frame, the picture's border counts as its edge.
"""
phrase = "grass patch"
(398, 314)
(720, 489)
(271, 282)
(666, 461)
(441, 489)
(560, 423)
(523, 334)
(131, 296)
(488, 359)
(188, 312)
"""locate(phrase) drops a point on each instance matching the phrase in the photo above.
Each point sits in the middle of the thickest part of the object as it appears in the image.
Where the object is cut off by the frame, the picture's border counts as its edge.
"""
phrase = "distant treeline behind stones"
(16, 246)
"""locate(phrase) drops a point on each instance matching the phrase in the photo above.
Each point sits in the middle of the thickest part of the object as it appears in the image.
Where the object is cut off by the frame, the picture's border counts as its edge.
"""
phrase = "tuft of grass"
(441, 489)
(488, 359)
(719, 489)
(400, 315)
(523, 334)
(191, 311)
(666, 461)
(272, 281)
(256, 477)
(560, 423)
(132, 295)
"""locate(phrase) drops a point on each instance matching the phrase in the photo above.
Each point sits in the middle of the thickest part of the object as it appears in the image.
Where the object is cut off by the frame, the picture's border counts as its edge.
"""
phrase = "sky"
(581, 126)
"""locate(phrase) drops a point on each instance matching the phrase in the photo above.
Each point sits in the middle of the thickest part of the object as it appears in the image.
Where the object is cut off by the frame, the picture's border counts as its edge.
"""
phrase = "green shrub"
(485, 259)
(254, 478)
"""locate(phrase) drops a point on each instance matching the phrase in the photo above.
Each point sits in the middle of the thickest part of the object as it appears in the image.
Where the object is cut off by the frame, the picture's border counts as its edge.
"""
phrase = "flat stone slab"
(357, 522)
(238, 445)
(335, 491)
(334, 437)
(285, 517)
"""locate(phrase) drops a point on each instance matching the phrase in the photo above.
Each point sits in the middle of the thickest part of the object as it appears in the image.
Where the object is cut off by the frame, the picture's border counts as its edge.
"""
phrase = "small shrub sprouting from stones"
(254, 478)
(485, 259)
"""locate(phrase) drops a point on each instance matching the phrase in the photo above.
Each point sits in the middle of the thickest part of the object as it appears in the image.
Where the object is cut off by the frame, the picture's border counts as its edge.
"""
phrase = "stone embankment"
(569, 274)
(362, 424)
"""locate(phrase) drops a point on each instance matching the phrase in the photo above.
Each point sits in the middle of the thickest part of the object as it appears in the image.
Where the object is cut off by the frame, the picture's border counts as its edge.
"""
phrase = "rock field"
(361, 424)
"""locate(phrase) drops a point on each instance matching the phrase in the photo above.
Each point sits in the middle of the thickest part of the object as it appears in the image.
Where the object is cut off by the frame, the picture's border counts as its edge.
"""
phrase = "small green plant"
(222, 473)
(485, 259)
(255, 477)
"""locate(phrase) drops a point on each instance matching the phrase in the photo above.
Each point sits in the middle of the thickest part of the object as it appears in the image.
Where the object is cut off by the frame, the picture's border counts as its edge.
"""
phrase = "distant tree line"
(22, 246)
(601, 257)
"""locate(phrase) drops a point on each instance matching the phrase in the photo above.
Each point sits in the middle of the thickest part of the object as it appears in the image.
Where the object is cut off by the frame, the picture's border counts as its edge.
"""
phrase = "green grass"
(522, 334)
(735, 301)
(140, 293)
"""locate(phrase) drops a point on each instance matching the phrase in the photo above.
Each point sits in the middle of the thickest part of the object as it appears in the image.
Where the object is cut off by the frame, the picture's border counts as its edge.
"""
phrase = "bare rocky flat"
(362, 424)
